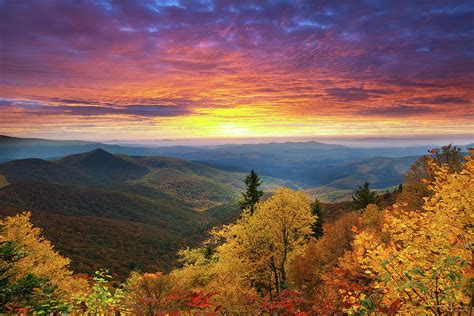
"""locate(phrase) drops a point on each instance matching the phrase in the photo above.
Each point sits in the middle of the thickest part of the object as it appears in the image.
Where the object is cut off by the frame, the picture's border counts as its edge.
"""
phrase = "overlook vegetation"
(408, 250)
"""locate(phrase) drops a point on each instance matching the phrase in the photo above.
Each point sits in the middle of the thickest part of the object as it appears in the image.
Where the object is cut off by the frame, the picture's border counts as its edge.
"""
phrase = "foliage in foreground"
(403, 259)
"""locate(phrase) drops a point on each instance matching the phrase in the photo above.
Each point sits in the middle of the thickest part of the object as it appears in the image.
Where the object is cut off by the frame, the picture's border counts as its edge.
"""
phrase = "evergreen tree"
(363, 197)
(252, 194)
(317, 227)
(400, 189)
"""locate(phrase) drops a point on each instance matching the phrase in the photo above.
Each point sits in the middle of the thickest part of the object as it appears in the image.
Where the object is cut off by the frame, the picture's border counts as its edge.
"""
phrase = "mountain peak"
(101, 162)
(99, 151)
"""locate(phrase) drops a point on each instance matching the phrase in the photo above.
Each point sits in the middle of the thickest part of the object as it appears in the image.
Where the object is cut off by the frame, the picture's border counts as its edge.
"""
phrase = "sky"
(189, 70)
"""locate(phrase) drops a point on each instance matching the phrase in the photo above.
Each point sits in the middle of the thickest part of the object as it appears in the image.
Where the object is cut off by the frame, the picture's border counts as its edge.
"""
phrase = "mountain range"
(128, 208)
(304, 164)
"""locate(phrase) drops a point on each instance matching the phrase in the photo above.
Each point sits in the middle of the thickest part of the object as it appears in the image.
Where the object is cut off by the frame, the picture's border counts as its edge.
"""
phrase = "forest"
(408, 251)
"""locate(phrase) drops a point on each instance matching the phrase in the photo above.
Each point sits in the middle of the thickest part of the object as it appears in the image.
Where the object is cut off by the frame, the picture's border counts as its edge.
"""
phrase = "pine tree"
(252, 194)
(317, 227)
(399, 189)
(363, 197)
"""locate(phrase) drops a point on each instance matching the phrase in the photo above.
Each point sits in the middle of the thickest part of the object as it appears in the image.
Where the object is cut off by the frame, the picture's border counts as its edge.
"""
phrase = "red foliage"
(288, 302)
(392, 309)
(17, 310)
(339, 285)
(194, 299)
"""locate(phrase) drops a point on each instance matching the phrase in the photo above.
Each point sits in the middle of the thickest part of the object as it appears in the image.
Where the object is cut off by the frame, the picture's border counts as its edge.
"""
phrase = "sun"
(230, 129)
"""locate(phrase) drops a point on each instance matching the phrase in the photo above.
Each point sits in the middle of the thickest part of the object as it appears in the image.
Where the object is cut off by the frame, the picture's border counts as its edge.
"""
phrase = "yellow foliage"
(253, 255)
(426, 263)
(41, 259)
(197, 271)
(262, 245)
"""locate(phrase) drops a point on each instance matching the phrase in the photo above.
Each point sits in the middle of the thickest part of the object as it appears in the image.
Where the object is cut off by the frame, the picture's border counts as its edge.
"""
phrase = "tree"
(363, 197)
(147, 294)
(321, 254)
(317, 227)
(426, 265)
(32, 274)
(420, 174)
(38, 256)
(13, 291)
(259, 247)
(252, 194)
(448, 155)
(103, 298)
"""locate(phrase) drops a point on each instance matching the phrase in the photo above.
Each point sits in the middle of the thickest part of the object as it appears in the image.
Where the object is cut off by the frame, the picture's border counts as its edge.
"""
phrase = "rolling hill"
(99, 207)
(304, 164)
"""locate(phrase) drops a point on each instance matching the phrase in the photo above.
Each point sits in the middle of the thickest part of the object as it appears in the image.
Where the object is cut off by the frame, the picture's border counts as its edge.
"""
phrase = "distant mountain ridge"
(302, 163)
(8, 141)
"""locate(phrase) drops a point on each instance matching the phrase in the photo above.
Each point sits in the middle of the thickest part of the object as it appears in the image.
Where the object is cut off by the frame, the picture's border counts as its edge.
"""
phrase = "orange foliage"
(321, 254)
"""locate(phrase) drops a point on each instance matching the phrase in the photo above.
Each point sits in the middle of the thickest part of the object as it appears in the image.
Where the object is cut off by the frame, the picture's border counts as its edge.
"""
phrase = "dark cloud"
(412, 84)
(397, 111)
(354, 37)
(355, 94)
(131, 110)
(74, 101)
(439, 100)
(138, 110)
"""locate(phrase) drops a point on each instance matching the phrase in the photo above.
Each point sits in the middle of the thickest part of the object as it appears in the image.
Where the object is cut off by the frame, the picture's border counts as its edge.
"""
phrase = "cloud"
(131, 110)
(355, 94)
(294, 59)
(397, 111)
(443, 99)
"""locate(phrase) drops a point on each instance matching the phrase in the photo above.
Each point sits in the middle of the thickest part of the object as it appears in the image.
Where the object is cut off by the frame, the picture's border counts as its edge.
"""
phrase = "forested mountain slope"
(100, 208)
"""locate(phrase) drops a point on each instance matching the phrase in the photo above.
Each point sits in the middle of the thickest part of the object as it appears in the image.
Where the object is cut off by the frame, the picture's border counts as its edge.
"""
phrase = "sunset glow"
(136, 70)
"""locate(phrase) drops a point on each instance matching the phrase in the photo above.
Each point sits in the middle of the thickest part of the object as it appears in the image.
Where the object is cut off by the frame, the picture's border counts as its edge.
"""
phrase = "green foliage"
(368, 262)
(317, 227)
(9, 254)
(103, 298)
(29, 291)
(97, 220)
(252, 194)
(363, 197)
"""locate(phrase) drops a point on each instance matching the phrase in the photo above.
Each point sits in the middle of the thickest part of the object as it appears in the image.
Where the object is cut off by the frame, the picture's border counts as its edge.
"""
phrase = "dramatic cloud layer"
(144, 69)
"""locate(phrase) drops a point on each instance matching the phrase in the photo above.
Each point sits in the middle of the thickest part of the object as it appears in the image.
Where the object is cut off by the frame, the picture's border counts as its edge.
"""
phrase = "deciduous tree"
(426, 265)
(259, 248)
(38, 256)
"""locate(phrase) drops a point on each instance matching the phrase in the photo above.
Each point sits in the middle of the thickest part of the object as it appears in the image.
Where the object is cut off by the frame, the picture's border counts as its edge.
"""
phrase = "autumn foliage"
(409, 258)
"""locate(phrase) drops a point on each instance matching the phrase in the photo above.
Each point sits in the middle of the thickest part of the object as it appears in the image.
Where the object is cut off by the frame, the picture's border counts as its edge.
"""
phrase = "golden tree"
(253, 255)
(259, 247)
(39, 257)
(427, 264)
